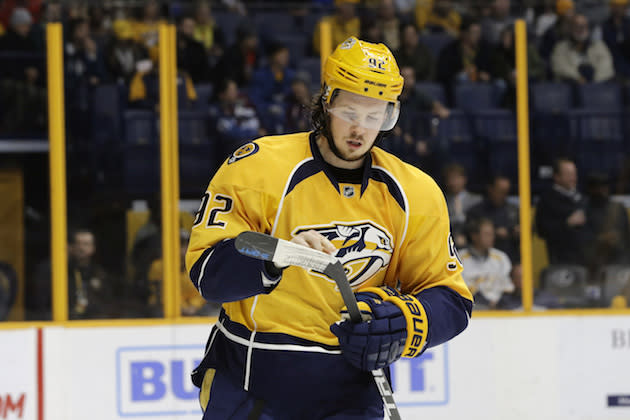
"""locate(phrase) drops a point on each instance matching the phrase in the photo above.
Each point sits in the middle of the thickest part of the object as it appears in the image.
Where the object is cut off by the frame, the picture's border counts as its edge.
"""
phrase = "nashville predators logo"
(243, 151)
(363, 248)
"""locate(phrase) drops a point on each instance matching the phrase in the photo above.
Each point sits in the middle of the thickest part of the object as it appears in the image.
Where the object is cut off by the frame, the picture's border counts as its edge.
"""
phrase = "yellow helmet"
(365, 69)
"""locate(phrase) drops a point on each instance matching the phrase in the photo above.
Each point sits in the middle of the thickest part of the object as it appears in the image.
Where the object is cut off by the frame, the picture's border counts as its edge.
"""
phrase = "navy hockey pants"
(230, 402)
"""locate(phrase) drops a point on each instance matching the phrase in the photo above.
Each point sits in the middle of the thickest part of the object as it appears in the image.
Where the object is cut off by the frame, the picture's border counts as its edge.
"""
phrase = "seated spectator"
(344, 23)
(371, 31)
(561, 216)
(607, 227)
(298, 104)
(514, 300)
(144, 90)
(8, 289)
(414, 53)
(270, 86)
(581, 59)
(21, 77)
(234, 120)
(442, 18)
(458, 201)
(191, 301)
(405, 9)
(191, 54)
(89, 288)
(123, 53)
(389, 23)
(241, 59)
(207, 31)
(496, 22)
(146, 248)
(83, 61)
(560, 30)
(465, 59)
(616, 34)
(488, 269)
(504, 216)
(503, 65)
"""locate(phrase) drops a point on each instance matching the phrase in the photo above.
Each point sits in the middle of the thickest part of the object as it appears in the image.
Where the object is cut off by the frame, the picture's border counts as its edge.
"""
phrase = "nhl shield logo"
(364, 248)
(348, 191)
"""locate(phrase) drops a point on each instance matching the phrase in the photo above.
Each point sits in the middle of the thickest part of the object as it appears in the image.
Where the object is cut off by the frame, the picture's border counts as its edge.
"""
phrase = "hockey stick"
(283, 253)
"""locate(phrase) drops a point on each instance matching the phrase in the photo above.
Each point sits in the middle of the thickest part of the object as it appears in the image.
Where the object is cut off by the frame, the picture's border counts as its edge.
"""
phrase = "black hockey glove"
(398, 327)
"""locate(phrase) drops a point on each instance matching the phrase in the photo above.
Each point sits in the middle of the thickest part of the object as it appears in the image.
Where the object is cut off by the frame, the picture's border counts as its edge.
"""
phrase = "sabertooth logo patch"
(243, 151)
(363, 248)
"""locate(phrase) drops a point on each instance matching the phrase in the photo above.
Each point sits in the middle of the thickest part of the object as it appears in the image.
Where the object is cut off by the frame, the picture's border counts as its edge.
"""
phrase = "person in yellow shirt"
(344, 23)
(280, 348)
(191, 302)
(146, 29)
(438, 16)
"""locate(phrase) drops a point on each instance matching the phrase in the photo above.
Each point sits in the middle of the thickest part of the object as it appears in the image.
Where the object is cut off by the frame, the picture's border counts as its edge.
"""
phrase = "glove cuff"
(415, 315)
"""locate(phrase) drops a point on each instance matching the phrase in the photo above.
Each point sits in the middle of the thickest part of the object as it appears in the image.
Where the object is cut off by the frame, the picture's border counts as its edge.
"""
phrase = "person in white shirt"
(486, 269)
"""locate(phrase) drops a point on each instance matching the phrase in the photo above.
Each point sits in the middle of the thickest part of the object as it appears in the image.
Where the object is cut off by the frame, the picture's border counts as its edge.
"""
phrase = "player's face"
(355, 121)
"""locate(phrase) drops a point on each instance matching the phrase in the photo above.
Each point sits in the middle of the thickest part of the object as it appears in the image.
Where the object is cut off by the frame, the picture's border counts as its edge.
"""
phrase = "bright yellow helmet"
(365, 69)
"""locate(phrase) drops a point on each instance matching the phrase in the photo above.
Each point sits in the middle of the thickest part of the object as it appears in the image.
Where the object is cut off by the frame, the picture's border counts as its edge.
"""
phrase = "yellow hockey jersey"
(390, 229)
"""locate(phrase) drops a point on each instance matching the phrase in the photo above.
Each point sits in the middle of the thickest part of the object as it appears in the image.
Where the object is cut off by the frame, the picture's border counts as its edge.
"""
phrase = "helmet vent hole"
(365, 89)
(381, 93)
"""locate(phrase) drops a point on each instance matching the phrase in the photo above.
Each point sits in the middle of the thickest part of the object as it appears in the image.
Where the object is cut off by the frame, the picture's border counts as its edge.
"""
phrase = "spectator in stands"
(503, 215)
(389, 23)
(414, 53)
(581, 59)
(123, 53)
(8, 289)
(191, 301)
(607, 227)
(442, 18)
(240, 60)
(488, 269)
(405, 9)
(207, 31)
(547, 16)
(616, 34)
(458, 200)
(270, 86)
(234, 120)
(514, 300)
(465, 59)
(146, 29)
(561, 29)
(19, 39)
(191, 54)
(83, 59)
(496, 22)
(298, 102)
(503, 65)
(371, 31)
(409, 141)
(561, 216)
(21, 81)
(344, 23)
(89, 288)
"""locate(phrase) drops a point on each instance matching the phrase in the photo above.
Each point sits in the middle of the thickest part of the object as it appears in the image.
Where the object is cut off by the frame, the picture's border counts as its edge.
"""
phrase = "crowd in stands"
(249, 68)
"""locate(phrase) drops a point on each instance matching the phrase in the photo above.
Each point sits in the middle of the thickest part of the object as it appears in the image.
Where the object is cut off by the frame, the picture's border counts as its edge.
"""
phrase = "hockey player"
(280, 350)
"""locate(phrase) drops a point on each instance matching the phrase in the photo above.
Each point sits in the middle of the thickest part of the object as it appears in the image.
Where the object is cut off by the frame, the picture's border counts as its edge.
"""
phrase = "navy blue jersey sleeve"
(448, 313)
(222, 274)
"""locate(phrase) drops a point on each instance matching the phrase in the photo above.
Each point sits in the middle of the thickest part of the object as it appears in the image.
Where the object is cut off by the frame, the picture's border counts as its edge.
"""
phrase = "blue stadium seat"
(601, 96)
(496, 130)
(475, 96)
(274, 23)
(197, 153)
(455, 135)
(106, 113)
(434, 90)
(567, 283)
(551, 97)
(204, 95)
(228, 22)
(312, 65)
(598, 140)
(435, 42)
(141, 158)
